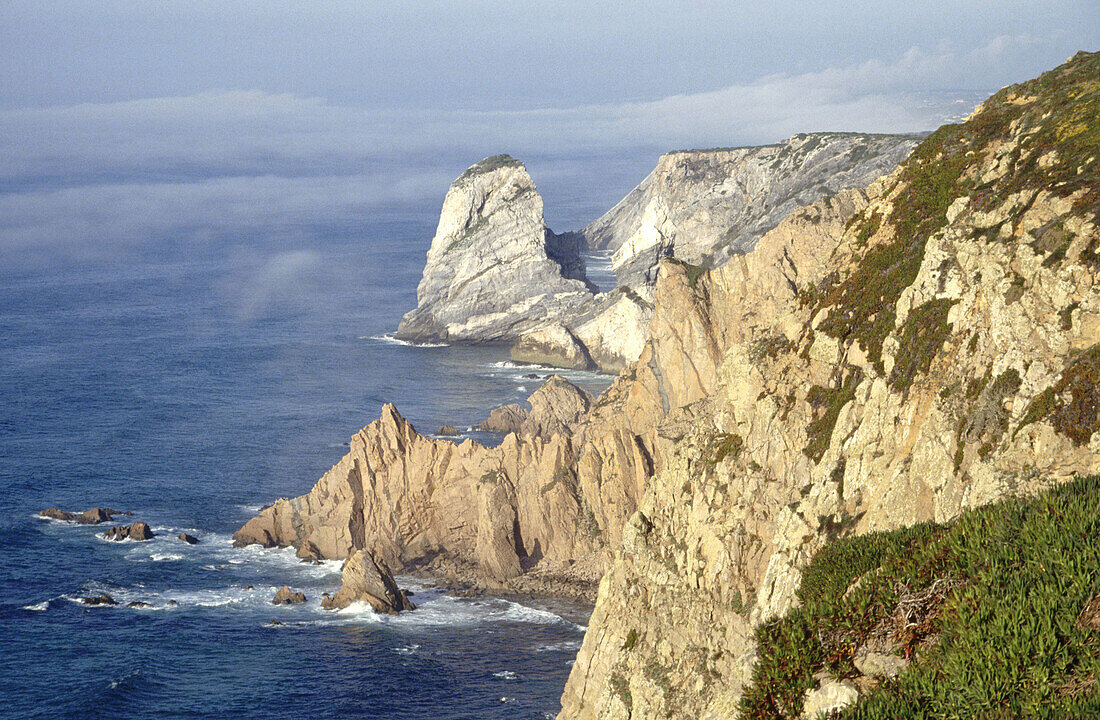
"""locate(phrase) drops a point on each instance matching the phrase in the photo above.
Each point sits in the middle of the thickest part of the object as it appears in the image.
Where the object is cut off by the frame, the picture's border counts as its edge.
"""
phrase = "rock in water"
(286, 596)
(88, 517)
(447, 431)
(368, 580)
(138, 531)
(494, 270)
(101, 599)
(189, 539)
(505, 419)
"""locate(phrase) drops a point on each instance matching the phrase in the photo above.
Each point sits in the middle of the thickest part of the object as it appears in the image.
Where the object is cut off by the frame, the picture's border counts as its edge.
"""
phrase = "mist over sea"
(191, 380)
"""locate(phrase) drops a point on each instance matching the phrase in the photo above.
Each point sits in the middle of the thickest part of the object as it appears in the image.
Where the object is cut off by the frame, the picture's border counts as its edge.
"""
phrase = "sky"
(126, 122)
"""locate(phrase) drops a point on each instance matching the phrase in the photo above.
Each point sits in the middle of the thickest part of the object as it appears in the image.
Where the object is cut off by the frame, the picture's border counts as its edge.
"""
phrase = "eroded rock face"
(704, 206)
(494, 270)
(366, 579)
(930, 359)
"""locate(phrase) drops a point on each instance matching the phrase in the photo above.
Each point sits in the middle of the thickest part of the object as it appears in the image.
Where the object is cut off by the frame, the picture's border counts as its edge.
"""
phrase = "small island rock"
(286, 596)
(369, 580)
(189, 539)
(139, 531)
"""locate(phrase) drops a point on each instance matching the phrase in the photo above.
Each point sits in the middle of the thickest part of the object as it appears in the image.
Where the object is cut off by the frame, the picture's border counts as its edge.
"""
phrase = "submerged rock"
(286, 596)
(137, 604)
(368, 580)
(139, 531)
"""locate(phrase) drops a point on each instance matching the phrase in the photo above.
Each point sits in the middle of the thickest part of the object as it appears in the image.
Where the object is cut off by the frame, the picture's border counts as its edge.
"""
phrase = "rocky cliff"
(881, 357)
(703, 206)
(943, 354)
(494, 269)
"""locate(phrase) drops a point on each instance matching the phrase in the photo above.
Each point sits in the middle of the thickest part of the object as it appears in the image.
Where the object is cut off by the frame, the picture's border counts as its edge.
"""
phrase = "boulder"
(308, 552)
(447, 431)
(368, 580)
(505, 419)
(101, 599)
(286, 596)
(879, 664)
(139, 531)
(832, 696)
(189, 539)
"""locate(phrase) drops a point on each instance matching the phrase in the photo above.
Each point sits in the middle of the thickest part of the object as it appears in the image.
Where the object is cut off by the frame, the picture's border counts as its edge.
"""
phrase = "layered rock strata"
(704, 206)
(494, 270)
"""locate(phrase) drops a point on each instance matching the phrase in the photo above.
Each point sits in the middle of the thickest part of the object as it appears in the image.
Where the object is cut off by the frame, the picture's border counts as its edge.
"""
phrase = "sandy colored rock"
(552, 345)
(366, 579)
(93, 516)
(505, 419)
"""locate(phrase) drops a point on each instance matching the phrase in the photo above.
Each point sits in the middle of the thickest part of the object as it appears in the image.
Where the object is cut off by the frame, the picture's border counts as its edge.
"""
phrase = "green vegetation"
(631, 640)
(771, 347)
(720, 446)
(1073, 404)
(827, 403)
(1054, 116)
(999, 612)
(693, 272)
(922, 336)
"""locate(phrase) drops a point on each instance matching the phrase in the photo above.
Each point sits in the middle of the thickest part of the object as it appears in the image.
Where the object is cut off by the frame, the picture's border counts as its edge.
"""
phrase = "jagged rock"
(101, 599)
(447, 431)
(505, 419)
(139, 532)
(189, 539)
(366, 579)
(705, 206)
(88, 517)
(494, 270)
(833, 695)
(138, 604)
(496, 522)
(286, 596)
(551, 345)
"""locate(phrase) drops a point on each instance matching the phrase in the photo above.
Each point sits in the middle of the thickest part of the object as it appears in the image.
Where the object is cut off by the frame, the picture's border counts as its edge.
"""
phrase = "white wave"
(391, 340)
(165, 557)
(505, 675)
(407, 649)
(564, 646)
(38, 607)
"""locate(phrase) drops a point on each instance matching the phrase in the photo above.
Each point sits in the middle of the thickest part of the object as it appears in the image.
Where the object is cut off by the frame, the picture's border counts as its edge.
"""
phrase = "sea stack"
(494, 270)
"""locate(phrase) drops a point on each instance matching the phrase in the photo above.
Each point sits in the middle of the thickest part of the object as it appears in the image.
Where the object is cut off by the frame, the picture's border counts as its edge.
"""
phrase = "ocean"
(190, 383)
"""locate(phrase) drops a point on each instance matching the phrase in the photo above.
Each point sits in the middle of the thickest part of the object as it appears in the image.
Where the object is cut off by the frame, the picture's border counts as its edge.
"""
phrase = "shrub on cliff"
(998, 612)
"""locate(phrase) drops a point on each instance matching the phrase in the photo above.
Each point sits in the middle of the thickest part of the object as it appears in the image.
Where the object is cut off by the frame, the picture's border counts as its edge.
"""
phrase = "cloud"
(249, 163)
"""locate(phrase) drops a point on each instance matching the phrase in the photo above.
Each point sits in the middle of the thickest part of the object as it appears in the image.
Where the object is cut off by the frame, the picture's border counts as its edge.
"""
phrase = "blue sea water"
(190, 383)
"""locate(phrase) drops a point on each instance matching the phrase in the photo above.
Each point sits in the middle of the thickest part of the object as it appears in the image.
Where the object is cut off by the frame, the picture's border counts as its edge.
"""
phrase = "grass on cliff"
(999, 612)
(1058, 150)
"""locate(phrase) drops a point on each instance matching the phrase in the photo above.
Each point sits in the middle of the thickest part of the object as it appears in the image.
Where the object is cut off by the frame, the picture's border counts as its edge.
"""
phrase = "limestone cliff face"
(939, 353)
(703, 206)
(494, 269)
